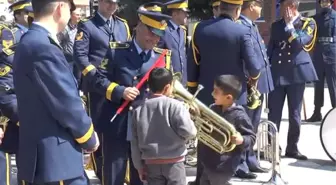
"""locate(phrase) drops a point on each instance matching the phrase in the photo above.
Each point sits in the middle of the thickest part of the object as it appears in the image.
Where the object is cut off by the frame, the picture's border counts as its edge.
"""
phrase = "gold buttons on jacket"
(289, 60)
(135, 78)
(280, 54)
(279, 62)
(289, 53)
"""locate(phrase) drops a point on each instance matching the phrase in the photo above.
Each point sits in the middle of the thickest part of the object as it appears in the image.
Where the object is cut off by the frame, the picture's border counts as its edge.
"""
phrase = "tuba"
(212, 130)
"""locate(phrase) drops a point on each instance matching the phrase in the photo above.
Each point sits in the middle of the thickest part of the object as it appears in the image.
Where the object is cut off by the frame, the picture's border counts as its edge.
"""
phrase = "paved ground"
(318, 170)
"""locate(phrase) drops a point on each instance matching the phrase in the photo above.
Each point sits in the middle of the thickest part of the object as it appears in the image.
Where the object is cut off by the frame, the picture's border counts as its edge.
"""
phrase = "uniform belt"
(326, 39)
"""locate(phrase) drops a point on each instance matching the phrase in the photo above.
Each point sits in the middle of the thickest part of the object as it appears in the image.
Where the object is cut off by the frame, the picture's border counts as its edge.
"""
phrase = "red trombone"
(159, 63)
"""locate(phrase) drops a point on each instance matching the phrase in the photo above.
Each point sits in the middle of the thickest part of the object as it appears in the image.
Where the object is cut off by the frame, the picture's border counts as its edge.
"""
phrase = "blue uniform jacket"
(54, 126)
(8, 103)
(288, 52)
(221, 46)
(176, 42)
(124, 69)
(228, 162)
(265, 81)
(92, 42)
(325, 51)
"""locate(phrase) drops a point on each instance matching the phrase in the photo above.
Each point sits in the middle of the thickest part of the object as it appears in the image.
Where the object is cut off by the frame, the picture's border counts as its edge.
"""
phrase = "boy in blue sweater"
(219, 168)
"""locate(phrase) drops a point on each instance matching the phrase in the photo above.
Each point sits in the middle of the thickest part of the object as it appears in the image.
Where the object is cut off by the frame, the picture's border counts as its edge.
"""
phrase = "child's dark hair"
(159, 78)
(229, 84)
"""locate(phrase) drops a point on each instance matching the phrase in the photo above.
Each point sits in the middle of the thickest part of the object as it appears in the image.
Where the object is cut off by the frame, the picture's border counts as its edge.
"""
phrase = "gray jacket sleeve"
(182, 123)
(136, 153)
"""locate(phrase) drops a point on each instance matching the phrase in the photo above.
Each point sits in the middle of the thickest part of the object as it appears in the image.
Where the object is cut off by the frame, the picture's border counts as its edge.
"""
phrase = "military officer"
(292, 37)
(233, 48)
(324, 57)
(176, 35)
(8, 108)
(90, 47)
(21, 10)
(54, 127)
(126, 66)
(251, 11)
(215, 8)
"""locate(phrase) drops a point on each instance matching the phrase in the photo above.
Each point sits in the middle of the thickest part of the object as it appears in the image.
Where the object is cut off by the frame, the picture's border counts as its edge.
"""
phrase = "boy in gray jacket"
(161, 127)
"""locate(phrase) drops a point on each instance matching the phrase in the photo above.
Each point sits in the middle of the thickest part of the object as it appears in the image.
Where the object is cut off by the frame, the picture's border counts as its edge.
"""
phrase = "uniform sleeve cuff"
(192, 84)
(117, 93)
(88, 140)
(88, 69)
(256, 76)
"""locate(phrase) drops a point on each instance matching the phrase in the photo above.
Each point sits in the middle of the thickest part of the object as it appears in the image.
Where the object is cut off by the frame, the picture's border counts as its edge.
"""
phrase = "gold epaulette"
(159, 50)
(183, 27)
(8, 51)
(119, 45)
(123, 20)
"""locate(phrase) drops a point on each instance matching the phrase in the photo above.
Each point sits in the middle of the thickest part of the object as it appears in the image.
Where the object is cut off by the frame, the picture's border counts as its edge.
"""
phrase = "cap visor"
(186, 10)
(157, 32)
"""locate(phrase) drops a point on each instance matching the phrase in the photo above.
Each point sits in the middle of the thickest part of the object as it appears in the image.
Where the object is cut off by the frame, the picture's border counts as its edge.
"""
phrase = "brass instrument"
(212, 130)
(3, 122)
(253, 97)
(268, 143)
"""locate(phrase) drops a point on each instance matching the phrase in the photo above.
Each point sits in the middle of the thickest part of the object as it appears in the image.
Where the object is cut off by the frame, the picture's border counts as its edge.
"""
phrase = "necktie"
(143, 56)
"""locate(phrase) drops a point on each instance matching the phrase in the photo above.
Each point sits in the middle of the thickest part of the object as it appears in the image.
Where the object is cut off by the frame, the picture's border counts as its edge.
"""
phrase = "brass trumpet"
(212, 130)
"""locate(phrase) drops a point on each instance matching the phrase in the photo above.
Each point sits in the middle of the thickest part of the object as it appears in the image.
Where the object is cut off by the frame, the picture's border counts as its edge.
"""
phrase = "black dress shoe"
(296, 155)
(258, 169)
(243, 175)
(316, 117)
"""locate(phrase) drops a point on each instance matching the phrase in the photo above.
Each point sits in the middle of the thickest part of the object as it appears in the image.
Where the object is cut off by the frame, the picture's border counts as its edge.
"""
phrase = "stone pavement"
(318, 170)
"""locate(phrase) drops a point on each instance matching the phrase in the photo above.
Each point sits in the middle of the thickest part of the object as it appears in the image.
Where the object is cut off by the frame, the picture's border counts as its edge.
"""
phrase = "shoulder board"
(86, 19)
(8, 51)
(123, 20)
(119, 45)
(183, 27)
(159, 50)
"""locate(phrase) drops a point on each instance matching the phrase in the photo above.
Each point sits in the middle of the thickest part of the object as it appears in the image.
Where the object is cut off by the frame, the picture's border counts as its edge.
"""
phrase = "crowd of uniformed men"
(42, 72)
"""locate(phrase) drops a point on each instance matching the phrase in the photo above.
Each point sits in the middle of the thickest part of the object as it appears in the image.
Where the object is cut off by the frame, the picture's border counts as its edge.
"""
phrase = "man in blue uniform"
(9, 144)
(8, 108)
(221, 46)
(90, 47)
(127, 65)
(324, 57)
(21, 10)
(54, 127)
(175, 36)
(8, 105)
(251, 11)
(292, 37)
